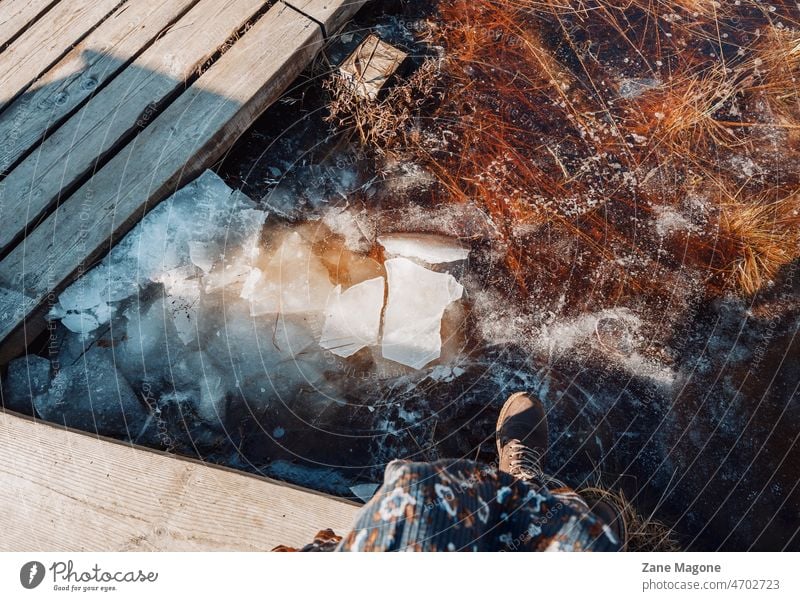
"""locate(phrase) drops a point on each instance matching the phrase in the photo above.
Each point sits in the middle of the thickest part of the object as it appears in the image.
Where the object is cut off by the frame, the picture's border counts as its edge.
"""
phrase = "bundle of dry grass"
(644, 533)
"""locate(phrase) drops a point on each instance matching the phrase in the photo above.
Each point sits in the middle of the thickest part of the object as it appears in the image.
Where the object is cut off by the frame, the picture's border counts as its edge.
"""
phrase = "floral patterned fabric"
(467, 506)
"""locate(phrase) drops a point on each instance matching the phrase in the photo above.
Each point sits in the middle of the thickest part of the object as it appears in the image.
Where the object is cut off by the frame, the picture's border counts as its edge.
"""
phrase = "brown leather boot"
(522, 438)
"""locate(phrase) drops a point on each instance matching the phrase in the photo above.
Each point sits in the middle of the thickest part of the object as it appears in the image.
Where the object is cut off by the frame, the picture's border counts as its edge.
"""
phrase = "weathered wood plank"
(46, 41)
(89, 65)
(331, 14)
(64, 491)
(192, 133)
(15, 15)
(72, 150)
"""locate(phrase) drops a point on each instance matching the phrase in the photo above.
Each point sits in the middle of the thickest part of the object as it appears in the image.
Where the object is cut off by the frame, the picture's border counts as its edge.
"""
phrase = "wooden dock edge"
(68, 491)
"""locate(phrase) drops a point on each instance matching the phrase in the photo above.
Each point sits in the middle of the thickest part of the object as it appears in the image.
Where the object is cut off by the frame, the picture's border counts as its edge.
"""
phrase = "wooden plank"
(15, 15)
(46, 41)
(190, 135)
(64, 491)
(88, 66)
(36, 184)
(330, 14)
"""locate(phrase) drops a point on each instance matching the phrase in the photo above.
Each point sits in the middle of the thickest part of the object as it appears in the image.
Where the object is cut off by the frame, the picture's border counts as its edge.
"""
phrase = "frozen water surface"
(293, 281)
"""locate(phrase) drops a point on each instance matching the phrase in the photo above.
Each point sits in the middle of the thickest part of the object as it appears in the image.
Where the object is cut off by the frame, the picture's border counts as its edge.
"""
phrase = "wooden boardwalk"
(62, 491)
(106, 108)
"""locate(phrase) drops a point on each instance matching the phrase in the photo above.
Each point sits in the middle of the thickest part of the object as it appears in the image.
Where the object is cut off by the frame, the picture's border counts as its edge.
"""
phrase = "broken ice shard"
(294, 281)
(93, 396)
(27, 378)
(413, 319)
(353, 318)
(428, 248)
(182, 300)
(365, 492)
(204, 254)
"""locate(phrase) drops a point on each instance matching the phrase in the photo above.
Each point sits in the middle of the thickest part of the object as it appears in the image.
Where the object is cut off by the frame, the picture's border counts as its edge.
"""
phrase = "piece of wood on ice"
(46, 41)
(372, 65)
(189, 136)
(15, 15)
(88, 66)
(330, 14)
(65, 491)
(71, 152)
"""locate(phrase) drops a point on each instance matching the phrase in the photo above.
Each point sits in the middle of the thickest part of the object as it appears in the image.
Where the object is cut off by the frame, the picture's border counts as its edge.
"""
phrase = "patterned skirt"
(467, 506)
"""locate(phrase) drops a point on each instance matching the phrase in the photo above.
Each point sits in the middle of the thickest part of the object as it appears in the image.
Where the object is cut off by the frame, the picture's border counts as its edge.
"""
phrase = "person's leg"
(522, 443)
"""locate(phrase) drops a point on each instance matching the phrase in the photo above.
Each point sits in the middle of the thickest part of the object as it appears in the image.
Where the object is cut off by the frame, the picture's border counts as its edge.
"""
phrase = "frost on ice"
(414, 311)
(353, 318)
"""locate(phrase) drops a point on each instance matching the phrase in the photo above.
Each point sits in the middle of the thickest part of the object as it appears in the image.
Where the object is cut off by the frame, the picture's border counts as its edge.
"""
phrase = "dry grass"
(644, 534)
(380, 124)
(766, 236)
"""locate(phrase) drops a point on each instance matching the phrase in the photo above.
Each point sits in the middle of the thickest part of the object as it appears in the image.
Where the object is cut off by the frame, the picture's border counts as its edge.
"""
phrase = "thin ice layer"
(428, 248)
(413, 319)
(353, 318)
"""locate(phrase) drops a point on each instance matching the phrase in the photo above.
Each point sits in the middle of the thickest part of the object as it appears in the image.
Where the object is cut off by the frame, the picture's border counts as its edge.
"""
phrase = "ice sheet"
(353, 317)
(413, 318)
(428, 248)
(294, 281)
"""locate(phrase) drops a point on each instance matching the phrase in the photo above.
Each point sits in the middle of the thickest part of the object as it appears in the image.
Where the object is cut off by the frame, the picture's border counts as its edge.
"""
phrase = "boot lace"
(525, 463)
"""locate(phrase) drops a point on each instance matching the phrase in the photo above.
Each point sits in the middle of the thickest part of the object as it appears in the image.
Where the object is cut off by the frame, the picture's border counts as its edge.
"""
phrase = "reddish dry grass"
(573, 171)
(547, 139)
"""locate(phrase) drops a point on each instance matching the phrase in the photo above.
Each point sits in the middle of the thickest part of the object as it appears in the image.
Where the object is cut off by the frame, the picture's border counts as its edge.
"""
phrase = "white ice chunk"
(294, 281)
(364, 491)
(429, 248)
(204, 254)
(81, 323)
(80, 296)
(413, 319)
(353, 318)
